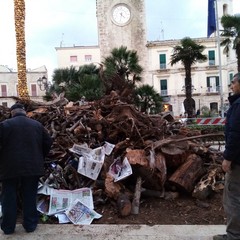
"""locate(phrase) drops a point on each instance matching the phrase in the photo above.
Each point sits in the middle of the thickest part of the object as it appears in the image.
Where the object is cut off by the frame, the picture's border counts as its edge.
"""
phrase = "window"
(167, 107)
(230, 78)
(4, 90)
(162, 60)
(211, 57)
(214, 106)
(225, 9)
(88, 58)
(163, 87)
(73, 59)
(33, 90)
(213, 84)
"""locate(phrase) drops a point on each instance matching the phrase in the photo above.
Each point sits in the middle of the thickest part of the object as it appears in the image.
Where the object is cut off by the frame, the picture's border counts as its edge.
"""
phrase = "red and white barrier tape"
(210, 121)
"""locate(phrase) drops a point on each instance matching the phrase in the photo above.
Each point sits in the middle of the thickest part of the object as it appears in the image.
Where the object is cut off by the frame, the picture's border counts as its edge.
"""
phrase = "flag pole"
(220, 62)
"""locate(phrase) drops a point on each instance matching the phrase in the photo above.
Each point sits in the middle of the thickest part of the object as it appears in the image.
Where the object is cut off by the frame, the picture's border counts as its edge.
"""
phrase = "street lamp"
(184, 88)
(43, 83)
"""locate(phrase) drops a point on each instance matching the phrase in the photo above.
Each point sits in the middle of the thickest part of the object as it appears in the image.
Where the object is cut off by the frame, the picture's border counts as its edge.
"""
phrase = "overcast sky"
(73, 22)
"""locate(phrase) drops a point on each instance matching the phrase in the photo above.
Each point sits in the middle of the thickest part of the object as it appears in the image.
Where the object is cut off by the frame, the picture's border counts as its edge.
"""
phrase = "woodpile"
(166, 157)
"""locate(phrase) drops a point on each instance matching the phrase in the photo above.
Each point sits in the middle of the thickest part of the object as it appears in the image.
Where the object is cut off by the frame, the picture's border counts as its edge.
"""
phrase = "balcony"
(164, 93)
(213, 90)
(163, 66)
(211, 62)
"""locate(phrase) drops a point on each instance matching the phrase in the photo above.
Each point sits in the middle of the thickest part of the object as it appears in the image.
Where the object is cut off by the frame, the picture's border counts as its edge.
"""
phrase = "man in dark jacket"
(231, 164)
(24, 143)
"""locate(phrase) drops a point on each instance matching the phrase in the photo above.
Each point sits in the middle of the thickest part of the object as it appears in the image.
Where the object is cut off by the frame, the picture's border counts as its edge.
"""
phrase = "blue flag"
(211, 18)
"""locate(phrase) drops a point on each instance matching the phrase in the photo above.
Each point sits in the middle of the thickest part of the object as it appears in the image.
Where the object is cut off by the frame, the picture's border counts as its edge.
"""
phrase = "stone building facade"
(9, 81)
(210, 82)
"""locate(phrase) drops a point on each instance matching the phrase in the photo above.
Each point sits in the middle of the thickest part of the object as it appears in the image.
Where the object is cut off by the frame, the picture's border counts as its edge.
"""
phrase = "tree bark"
(186, 175)
(137, 195)
(124, 205)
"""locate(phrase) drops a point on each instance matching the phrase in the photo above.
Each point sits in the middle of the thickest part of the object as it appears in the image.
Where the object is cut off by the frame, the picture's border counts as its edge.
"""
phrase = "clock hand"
(122, 15)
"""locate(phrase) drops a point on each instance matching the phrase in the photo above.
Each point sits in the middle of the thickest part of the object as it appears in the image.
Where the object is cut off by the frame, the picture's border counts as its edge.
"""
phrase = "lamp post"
(184, 88)
(43, 83)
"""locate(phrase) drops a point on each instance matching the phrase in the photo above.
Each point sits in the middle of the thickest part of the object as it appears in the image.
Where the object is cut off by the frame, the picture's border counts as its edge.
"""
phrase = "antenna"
(61, 43)
(162, 31)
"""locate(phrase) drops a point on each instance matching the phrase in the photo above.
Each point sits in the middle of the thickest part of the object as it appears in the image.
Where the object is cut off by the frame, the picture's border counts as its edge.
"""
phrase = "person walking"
(24, 143)
(231, 165)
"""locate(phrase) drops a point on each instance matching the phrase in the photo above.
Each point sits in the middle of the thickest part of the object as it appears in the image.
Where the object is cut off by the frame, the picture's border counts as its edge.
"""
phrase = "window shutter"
(34, 90)
(211, 55)
(162, 58)
(163, 84)
(217, 81)
(208, 81)
(73, 59)
(4, 90)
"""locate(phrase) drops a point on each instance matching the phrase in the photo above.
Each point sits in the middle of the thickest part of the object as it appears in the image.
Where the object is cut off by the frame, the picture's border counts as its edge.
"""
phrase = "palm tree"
(78, 83)
(188, 53)
(122, 70)
(19, 16)
(231, 35)
(65, 77)
(147, 99)
(89, 85)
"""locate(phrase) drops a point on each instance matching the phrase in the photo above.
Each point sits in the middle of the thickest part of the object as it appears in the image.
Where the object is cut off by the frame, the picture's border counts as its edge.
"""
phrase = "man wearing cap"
(24, 143)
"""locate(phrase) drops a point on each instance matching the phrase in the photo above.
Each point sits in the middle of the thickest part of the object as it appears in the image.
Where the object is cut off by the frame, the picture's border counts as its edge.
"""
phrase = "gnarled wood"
(185, 176)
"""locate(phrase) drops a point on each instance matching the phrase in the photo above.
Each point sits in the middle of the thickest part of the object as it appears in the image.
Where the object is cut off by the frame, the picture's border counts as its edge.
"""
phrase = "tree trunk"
(19, 15)
(185, 176)
(188, 87)
(189, 106)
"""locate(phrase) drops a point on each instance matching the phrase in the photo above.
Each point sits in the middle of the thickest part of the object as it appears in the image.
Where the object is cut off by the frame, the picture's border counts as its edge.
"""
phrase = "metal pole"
(220, 63)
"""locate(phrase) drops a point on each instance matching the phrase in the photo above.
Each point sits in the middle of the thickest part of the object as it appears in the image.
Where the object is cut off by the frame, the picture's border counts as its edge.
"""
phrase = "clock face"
(121, 14)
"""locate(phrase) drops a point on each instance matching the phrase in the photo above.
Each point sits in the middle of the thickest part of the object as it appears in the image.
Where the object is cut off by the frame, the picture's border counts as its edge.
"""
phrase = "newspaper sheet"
(44, 188)
(43, 206)
(80, 149)
(61, 200)
(108, 147)
(91, 164)
(62, 218)
(79, 213)
(91, 160)
(120, 170)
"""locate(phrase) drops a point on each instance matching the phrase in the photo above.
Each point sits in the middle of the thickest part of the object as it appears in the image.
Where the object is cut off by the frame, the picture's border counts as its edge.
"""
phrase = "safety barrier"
(210, 121)
(217, 121)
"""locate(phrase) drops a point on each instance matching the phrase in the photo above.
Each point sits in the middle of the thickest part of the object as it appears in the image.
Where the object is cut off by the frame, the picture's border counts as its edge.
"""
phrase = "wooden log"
(151, 179)
(137, 157)
(209, 183)
(160, 143)
(137, 195)
(160, 164)
(124, 205)
(112, 189)
(186, 175)
(152, 193)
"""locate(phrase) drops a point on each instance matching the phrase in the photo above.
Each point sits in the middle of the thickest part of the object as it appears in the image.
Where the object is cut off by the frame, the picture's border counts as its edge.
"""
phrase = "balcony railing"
(164, 92)
(211, 62)
(213, 89)
(163, 66)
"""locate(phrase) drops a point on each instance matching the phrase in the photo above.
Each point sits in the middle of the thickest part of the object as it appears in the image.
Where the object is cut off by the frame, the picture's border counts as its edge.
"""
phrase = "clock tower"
(122, 23)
